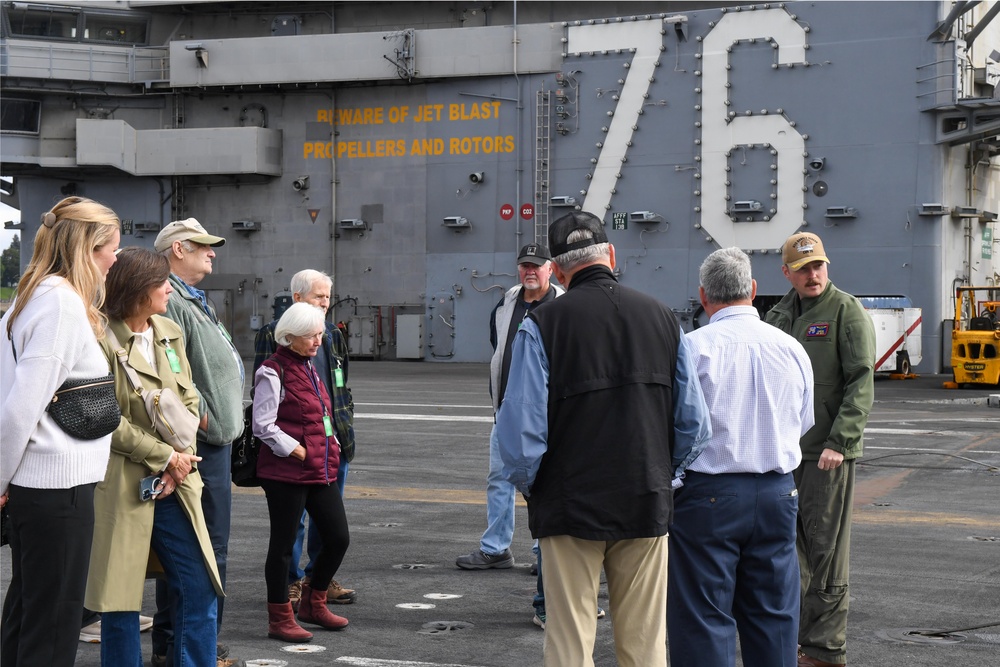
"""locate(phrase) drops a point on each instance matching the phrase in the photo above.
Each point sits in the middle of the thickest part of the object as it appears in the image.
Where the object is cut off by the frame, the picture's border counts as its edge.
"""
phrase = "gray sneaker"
(479, 560)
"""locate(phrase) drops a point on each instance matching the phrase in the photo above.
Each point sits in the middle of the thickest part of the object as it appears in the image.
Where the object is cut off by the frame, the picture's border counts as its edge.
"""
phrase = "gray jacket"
(216, 366)
(503, 316)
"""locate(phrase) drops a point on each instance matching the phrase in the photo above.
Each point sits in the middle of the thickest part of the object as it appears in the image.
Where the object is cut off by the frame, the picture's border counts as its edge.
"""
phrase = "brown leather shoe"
(809, 661)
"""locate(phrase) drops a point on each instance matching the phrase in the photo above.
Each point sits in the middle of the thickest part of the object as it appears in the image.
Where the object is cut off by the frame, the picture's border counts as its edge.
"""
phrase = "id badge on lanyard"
(175, 363)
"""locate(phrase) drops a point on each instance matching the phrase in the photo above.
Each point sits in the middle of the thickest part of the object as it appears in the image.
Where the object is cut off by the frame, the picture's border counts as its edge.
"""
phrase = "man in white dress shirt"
(733, 566)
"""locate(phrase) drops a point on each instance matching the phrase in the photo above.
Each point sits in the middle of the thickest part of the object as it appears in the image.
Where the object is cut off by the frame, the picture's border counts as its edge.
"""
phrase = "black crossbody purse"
(84, 409)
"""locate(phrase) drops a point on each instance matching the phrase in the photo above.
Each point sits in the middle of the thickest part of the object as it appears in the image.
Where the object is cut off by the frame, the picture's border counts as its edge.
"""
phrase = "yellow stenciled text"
(487, 145)
(349, 149)
(475, 111)
(369, 148)
(355, 149)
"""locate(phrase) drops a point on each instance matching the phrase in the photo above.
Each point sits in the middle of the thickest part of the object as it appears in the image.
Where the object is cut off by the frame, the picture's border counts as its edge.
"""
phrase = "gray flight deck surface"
(926, 543)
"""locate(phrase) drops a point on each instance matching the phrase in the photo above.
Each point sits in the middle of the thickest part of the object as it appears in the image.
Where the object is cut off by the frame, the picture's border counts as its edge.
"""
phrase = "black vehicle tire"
(903, 363)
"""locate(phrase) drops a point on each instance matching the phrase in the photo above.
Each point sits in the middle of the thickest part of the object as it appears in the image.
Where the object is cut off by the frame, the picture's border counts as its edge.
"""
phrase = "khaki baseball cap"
(802, 248)
(185, 230)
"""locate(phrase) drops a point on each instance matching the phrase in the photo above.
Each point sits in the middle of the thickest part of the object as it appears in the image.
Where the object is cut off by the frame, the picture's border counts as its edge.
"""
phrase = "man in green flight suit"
(839, 338)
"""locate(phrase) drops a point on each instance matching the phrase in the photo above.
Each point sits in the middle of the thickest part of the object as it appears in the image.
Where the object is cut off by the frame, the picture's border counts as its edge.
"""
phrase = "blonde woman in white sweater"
(47, 477)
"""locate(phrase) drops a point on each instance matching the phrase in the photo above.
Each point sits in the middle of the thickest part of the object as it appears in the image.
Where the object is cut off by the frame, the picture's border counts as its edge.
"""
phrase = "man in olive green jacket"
(218, 374)
(839, 338)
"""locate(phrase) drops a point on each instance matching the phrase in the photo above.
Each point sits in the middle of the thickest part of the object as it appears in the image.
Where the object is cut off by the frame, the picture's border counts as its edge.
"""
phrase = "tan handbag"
(175, 424)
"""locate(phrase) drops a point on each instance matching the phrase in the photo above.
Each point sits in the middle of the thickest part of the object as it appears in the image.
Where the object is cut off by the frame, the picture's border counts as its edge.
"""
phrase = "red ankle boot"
(312, 609)
(281, 624)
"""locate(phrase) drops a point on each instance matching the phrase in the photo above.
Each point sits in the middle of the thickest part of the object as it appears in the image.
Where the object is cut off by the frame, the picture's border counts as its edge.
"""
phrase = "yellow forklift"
(975, 340)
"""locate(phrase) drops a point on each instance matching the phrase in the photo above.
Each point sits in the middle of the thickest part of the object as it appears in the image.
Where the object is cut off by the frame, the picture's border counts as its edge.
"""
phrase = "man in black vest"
(602, 411)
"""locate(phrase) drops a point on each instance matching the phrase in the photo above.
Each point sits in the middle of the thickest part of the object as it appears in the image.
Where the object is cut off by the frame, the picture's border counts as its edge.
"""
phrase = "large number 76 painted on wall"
(722, 130)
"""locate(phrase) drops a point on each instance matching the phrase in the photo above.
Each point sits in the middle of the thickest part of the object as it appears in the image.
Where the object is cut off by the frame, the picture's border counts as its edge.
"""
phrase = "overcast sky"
(7, 235)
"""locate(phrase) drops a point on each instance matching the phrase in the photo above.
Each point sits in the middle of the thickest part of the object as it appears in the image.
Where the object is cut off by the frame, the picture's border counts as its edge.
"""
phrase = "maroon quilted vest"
(300, 415)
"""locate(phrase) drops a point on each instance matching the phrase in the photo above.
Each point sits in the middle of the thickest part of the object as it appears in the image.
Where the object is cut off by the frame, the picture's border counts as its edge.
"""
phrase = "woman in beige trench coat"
(169, 526)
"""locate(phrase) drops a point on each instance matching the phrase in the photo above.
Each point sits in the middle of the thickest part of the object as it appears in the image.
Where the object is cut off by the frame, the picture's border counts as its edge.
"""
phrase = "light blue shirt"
(523, 422)
(758, 383)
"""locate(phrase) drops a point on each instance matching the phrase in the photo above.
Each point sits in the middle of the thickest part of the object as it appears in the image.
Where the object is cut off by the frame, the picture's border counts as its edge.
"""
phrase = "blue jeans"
(193, 606)
(120, 645)
(539, 600)
(217, 505)
(295, 571)
(500, 496)
(733, 569)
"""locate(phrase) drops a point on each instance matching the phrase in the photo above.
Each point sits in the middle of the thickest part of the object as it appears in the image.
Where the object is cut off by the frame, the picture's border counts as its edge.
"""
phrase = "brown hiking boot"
(336, 594)
(295, 594)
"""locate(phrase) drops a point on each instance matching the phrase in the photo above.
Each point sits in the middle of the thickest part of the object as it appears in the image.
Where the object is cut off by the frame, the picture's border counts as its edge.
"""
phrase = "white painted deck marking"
(920, 431)
(378, 662)
(303, 648)
(917, 450)
(427, 405)
(424, 418)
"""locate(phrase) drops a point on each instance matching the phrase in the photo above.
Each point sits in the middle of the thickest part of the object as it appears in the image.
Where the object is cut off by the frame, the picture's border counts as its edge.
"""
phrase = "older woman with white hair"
(292, 415)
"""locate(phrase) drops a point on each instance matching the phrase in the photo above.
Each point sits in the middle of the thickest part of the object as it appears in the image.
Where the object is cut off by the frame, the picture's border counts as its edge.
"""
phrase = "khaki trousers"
(637, 590)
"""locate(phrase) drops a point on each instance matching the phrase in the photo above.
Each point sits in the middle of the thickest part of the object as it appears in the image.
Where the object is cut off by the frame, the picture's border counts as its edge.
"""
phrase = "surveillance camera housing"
(746, 206)
(644, 216)
(457, 222)
(477, 177)
(300, 183)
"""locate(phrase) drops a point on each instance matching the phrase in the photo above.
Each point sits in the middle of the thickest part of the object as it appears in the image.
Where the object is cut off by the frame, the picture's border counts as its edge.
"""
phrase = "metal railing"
(84, 62)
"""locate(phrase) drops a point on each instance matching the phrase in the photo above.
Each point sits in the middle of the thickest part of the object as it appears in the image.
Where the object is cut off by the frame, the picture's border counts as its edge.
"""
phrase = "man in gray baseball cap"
(217, 369)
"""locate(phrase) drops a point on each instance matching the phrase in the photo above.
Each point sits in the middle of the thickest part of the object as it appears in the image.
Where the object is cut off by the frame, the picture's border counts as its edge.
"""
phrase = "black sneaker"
(479, 560)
